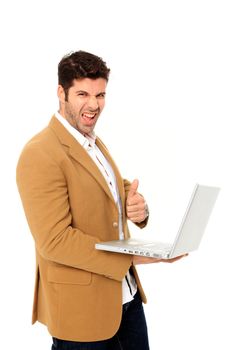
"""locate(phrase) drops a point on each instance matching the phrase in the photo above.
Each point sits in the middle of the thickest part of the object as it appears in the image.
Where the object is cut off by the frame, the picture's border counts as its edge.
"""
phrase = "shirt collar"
(84, 141)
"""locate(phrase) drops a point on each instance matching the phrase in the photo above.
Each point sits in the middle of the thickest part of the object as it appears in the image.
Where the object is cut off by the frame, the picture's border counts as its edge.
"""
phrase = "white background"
(167, 122)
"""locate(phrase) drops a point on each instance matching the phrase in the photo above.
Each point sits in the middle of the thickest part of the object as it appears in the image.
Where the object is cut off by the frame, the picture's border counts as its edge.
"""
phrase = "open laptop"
(189, 234)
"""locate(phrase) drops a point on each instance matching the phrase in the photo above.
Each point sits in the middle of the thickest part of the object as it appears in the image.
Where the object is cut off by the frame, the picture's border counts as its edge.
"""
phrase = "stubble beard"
(73, 119)
(70, 115)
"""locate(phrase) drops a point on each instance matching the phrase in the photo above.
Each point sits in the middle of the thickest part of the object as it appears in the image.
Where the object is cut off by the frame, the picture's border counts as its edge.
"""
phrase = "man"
(74, 196)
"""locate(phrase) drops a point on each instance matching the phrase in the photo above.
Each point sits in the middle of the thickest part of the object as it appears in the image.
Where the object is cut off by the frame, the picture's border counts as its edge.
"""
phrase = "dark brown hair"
(79, 65)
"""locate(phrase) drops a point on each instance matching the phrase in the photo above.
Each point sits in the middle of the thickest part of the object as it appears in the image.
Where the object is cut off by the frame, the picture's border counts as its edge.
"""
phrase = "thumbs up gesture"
(136, 207)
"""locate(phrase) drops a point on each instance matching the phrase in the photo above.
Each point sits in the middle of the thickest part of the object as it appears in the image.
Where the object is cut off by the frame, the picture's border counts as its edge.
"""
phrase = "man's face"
(86, 99)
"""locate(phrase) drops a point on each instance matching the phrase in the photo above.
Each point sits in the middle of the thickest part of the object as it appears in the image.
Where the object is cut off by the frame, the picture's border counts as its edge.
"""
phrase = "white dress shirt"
(129, 287)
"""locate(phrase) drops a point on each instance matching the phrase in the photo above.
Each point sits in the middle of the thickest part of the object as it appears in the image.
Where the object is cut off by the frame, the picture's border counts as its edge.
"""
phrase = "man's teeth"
(89, 115)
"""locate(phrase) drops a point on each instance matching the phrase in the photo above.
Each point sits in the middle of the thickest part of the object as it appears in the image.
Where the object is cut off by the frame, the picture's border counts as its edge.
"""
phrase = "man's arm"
(139, 260)
(43, 190)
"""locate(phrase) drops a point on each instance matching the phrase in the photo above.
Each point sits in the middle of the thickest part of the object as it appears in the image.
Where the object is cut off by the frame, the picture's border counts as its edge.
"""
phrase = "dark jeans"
(132, 334)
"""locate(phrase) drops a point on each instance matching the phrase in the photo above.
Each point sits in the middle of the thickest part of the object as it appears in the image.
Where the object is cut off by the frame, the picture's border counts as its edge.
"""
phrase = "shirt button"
(115, 224)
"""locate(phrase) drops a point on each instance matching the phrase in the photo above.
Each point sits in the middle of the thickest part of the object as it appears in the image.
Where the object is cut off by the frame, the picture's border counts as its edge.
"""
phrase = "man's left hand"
(136, 207)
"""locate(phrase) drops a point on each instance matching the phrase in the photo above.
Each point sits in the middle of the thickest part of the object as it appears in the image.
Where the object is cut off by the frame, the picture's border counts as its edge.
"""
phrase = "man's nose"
(93, 102)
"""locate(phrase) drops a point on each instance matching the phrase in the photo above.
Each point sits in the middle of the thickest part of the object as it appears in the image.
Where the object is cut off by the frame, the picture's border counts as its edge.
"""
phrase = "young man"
(74, 196)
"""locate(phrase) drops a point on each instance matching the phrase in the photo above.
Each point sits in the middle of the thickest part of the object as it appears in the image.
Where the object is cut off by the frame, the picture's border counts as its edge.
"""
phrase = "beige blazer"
(69, 208)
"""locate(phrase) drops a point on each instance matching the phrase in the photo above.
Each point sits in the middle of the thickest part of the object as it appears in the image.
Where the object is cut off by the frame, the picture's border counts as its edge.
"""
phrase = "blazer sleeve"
(43, 190)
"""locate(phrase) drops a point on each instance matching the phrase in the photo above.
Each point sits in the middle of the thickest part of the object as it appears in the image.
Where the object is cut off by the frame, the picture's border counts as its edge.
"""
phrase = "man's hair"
(79, 65)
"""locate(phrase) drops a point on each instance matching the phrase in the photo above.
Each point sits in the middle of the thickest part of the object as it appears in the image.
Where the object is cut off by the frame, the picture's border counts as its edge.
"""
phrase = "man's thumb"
(133, 188)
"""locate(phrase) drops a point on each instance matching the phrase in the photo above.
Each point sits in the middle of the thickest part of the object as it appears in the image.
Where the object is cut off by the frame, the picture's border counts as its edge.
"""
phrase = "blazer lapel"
(78, 153)
(107, 155)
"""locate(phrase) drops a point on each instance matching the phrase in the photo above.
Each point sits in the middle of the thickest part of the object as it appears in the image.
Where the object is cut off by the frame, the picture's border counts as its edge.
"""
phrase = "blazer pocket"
(68, 275)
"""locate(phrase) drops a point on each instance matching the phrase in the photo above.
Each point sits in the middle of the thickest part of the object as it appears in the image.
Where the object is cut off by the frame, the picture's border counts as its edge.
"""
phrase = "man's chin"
(85, 130)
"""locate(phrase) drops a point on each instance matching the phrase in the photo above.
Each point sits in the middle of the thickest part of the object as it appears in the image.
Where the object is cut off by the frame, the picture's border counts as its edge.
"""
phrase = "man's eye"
(101, 96)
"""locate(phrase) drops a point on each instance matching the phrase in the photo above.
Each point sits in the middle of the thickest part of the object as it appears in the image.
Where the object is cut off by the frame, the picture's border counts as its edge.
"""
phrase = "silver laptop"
(189, 234)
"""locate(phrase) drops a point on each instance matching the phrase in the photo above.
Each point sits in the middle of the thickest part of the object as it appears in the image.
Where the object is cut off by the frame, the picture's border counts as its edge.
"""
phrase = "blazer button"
(115, 224)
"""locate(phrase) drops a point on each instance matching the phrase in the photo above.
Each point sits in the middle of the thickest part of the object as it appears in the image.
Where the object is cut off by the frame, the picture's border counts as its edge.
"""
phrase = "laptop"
(189, 234)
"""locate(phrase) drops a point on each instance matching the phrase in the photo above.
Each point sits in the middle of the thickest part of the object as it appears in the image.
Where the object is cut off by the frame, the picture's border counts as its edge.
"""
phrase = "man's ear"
(61, 94)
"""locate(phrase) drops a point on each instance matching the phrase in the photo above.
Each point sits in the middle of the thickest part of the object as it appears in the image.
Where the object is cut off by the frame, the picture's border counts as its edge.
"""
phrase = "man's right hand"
(138, 260)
